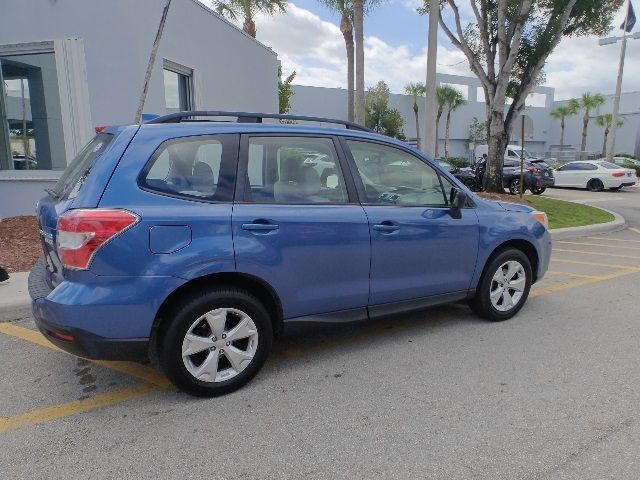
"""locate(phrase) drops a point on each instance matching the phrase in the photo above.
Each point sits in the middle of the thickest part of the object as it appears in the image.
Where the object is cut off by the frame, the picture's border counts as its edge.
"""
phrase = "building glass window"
(177, 90)
(31, 136)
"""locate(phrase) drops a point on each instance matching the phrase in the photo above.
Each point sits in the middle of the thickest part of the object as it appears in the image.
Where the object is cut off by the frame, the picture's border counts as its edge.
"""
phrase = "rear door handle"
(260, 227)
(386, 227)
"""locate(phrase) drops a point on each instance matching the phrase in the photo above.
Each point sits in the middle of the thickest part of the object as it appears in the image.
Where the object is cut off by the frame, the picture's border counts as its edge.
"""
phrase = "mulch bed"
(20, 245)
(503, 197)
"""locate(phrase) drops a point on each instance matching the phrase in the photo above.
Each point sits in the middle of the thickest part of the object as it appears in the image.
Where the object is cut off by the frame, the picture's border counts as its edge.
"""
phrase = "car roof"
(204, 127)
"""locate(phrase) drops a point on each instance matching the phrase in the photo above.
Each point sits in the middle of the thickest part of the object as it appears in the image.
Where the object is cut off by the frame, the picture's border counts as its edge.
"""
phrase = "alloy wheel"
(219, 345)
(507, 286)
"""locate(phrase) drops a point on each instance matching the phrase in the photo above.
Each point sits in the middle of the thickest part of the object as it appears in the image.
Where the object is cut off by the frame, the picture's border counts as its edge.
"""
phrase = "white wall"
(238, 73)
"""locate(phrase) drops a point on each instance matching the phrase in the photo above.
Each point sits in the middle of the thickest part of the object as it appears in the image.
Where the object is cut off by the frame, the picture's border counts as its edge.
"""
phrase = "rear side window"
(609, 165)
(191, 167)
(76, 173)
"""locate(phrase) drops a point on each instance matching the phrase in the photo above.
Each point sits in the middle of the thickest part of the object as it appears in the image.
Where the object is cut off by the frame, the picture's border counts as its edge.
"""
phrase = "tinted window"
(610, 166)
(78, 170)
(586, 166)
(190, 167)
(392, 176)
(294, 170)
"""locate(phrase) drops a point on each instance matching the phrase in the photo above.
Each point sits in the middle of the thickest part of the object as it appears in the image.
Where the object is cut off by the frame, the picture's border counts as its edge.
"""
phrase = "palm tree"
(588, 102)
(563, 111)
(416, 90)
(358, 27)
(247, 9)
(454, 101)
(345, 9)
(442, 92)
(605, 121)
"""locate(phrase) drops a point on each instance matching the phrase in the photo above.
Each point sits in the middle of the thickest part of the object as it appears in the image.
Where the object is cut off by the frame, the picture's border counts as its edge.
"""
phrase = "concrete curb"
(15, 302)
(618, 223)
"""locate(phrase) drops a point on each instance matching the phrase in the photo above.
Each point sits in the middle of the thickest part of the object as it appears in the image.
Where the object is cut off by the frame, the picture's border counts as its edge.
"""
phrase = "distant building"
(82, 64)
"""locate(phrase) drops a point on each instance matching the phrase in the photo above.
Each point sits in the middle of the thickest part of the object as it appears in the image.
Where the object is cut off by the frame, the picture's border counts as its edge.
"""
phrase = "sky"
(307, 39)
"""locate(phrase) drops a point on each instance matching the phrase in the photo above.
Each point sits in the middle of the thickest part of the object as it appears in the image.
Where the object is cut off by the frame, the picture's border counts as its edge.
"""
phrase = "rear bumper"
(107, 320)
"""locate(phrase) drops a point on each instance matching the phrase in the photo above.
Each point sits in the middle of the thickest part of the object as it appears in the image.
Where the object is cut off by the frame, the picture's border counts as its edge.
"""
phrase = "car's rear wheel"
(215, 341)
(595, 185)
(538, 190)
(514, 186)
(504, 286)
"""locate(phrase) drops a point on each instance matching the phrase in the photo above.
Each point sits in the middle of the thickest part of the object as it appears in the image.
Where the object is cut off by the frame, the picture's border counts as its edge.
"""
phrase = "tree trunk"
(498, 138)
(249, 26)
(358, 27)
(604, 143)
(561, 133)
(152, 61)
(446, 135)
(347, 32)
(585, 125)
(437, 128)
(415, 111)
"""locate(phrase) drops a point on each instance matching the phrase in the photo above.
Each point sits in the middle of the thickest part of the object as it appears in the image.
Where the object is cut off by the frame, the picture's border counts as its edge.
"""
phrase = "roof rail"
(248, 117)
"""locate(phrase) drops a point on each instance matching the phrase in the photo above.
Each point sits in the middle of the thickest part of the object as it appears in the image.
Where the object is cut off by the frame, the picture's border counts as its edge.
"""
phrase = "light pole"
(429, 137)
(616, 99)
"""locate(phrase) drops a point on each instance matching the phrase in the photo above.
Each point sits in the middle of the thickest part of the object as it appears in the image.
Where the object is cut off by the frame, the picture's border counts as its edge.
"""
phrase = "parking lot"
(552, 393)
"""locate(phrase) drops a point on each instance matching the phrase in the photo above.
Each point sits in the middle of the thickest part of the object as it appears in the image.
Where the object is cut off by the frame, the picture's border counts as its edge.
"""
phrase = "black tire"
(470, 184)
(538, 190)
(481, 304)
(514, 186)
(595, 185)
(178, 321)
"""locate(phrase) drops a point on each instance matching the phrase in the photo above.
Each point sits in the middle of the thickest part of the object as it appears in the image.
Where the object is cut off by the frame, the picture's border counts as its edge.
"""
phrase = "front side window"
(191, 167)
(294, 170)
(392, 176)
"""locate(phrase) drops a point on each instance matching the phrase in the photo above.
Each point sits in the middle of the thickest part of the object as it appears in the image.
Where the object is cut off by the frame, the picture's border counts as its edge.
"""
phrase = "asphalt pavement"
(553, 393)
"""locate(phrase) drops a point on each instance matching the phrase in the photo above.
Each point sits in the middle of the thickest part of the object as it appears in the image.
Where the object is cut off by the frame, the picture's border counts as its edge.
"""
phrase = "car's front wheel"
(504, 286)
(214, 342)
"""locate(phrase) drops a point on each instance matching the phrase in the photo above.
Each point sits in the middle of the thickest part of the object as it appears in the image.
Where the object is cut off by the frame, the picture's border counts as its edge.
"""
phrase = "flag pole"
(616, 98)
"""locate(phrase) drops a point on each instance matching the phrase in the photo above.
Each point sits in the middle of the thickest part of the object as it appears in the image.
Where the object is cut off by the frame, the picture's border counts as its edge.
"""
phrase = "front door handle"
(386, 227)
(260, 227)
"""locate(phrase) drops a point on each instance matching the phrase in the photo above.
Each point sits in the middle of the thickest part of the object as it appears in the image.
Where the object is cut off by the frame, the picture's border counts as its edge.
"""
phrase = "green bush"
(459, 162)
(625, 155)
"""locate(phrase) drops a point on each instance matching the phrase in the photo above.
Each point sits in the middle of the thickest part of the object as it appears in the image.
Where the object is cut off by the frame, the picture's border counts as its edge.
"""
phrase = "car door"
(418, 251)
(566, 175)
(297, 225)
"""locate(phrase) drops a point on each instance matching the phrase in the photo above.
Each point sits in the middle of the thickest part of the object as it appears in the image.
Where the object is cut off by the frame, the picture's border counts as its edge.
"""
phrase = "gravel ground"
(19, 243)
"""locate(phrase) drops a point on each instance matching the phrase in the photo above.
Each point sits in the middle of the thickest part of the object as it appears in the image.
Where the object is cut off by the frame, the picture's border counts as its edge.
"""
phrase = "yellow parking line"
(601, 254)
(634, 229)
(587, 244)
(570, 274)
(610, 239)
(595, 264)
(580, 282)
(136, 370)
(71, 408)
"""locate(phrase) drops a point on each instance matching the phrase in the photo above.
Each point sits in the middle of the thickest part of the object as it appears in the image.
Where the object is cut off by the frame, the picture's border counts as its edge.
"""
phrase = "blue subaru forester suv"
(194, 241)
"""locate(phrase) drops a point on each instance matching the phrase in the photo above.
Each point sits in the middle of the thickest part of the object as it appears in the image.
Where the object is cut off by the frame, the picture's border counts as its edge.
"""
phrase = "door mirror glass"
(458, 199)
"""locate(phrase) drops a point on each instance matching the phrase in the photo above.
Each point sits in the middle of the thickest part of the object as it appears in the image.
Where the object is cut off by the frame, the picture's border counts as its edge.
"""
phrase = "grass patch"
(568, 214)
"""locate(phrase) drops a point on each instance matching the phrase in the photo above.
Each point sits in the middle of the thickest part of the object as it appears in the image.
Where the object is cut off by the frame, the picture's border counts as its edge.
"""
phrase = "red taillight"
(65, 337)
(81, 233)
(101, 128)
(618, 174)
(533, 170)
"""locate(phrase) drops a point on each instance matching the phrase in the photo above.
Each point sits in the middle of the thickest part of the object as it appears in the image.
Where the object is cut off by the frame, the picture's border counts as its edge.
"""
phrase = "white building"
(82, 64)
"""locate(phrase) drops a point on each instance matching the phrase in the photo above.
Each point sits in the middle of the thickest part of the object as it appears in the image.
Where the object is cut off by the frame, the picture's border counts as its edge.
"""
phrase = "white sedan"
(594, 175)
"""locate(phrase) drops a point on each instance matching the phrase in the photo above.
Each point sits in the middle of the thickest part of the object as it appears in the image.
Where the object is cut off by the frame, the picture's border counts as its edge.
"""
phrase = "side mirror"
(457, 199)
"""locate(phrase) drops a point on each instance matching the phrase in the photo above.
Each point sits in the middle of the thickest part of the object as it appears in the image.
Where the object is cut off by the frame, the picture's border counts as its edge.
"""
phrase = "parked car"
(625, 161)
(465, 175)
(538, 176)
(594, 175)
(197, 242)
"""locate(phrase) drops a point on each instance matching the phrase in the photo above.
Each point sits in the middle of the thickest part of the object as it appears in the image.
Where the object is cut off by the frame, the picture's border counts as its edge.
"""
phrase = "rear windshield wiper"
(53, 193)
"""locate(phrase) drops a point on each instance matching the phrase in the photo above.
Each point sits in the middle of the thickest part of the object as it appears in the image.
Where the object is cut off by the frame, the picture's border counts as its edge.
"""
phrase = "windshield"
(78, 170)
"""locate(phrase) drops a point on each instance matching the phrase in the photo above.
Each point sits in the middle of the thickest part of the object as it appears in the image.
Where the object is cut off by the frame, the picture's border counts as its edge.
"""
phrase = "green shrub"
(459, 162)
(625, 155)
(633, 167)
